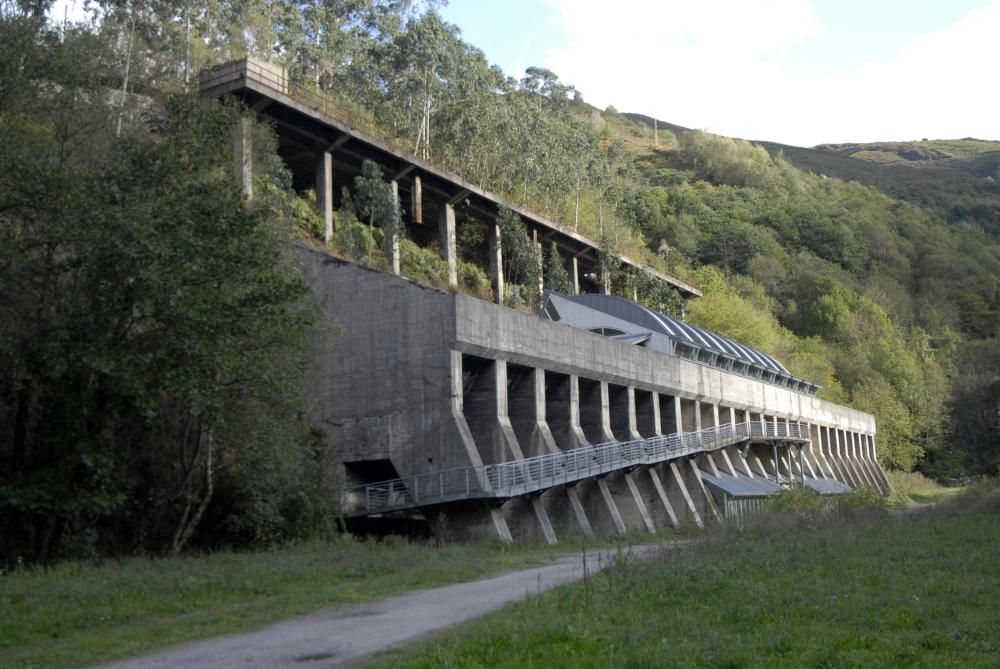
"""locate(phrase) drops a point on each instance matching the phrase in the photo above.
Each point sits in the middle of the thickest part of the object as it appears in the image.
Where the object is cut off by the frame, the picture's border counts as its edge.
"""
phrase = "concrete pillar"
(486, 409)
(391, 242)
(605, 282)
(633, 422)
(576, 427)
(562, 410)
(446, 228)
(505, 432)
(609, 500)
(324, 193)
(417, 200)
(678, 420)
(851, 460)
(461, 426)
(243, 156)
(657, 418)
(845, 467)
(565, 511)
(873, 454)
(661, 492)
(542, 440)
(682, 488)
(543, 519)
(606, 433)
(861, 462)
(496, 263)
(709, 500)
(576, 276)
(579, 512)
(830, 443)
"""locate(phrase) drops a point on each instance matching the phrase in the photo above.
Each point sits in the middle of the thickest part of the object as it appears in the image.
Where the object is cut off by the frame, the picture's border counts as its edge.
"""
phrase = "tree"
(522, 262)
(149, 318)
(376, 202)
(556, 277)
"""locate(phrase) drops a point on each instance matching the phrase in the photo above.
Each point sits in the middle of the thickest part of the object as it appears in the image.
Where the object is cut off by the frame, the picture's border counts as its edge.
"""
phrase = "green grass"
(914, 489)
(859, 589)
(77, 614)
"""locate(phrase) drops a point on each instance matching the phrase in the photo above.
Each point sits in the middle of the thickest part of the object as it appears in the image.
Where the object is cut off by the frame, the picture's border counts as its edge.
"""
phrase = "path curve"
(338, 636)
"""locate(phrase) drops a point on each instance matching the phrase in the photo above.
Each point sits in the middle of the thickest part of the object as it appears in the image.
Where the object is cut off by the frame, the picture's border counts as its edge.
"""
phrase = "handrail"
(518, 477)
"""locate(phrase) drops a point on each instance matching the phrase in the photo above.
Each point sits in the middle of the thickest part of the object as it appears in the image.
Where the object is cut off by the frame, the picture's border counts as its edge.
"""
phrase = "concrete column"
(845, 466)
(391, 242)
(816, 446)
(873, 454)
(581, 515)
(678, 421)
(605, 282)
(606, 433)
(542, 441)
(838, 470)
(709, 500)
(576, 276)
(609, 501)
(640, 503)
(543, 520)
(849, 460)
(417, 200)
(574, 411)
(464, 434)
(446, 227)
(664, 499)
(633, 423)
(505, 432)
(657, 421)
(562, 410)
(679, 482)
(496, 263)
(565, 511)
(243, 156)
(324, 193)
(861, 462)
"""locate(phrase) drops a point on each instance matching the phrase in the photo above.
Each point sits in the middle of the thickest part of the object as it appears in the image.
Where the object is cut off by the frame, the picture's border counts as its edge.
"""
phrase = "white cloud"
(719, 65)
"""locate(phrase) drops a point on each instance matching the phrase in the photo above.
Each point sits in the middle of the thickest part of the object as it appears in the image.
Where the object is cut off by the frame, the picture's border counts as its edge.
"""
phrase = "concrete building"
(594, 416)
(492, 422)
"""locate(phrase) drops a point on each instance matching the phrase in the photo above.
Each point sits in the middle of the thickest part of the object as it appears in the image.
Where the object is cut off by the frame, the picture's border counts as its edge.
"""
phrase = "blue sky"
(793, 71)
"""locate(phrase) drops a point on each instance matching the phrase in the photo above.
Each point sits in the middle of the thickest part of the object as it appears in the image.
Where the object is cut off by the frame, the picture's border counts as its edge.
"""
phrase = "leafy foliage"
(151, 346)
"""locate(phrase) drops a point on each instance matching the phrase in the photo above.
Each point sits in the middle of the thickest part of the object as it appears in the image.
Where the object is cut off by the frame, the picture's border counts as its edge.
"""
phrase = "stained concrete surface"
(346, 635)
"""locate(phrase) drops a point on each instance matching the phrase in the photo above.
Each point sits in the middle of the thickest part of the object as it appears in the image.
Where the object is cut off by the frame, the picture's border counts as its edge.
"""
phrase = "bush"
(473, 279)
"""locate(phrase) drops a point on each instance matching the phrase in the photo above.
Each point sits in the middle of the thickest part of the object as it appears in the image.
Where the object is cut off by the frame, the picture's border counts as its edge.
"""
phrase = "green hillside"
(873, 270)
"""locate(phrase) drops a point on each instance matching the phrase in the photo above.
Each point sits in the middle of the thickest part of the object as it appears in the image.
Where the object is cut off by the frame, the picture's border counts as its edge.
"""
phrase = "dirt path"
(336, 637)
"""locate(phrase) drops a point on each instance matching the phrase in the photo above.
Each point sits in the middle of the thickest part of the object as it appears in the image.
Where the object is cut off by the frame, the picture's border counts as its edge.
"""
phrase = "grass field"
(77, 614)
(860, 589)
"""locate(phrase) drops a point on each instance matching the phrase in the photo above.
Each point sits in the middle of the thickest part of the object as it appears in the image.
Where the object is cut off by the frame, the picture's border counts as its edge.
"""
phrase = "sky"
(798, 72)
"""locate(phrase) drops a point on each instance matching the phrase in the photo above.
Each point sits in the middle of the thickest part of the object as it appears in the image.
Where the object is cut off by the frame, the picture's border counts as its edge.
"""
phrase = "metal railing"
(518, 477)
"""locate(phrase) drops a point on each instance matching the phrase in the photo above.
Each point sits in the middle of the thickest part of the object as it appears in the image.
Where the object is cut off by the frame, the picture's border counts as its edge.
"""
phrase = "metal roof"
(677, 329)
(827, 486)
(742, 486)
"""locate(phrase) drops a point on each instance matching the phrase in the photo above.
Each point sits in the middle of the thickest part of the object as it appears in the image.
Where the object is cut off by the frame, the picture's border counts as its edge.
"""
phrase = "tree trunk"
(128, 66)
(188, 522)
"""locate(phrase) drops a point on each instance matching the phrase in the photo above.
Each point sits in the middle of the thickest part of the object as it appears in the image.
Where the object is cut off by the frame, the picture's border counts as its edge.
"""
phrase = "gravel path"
(339, 636)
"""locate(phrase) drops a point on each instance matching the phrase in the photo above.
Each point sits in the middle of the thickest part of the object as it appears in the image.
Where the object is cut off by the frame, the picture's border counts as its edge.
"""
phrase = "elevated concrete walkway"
(530, 475)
